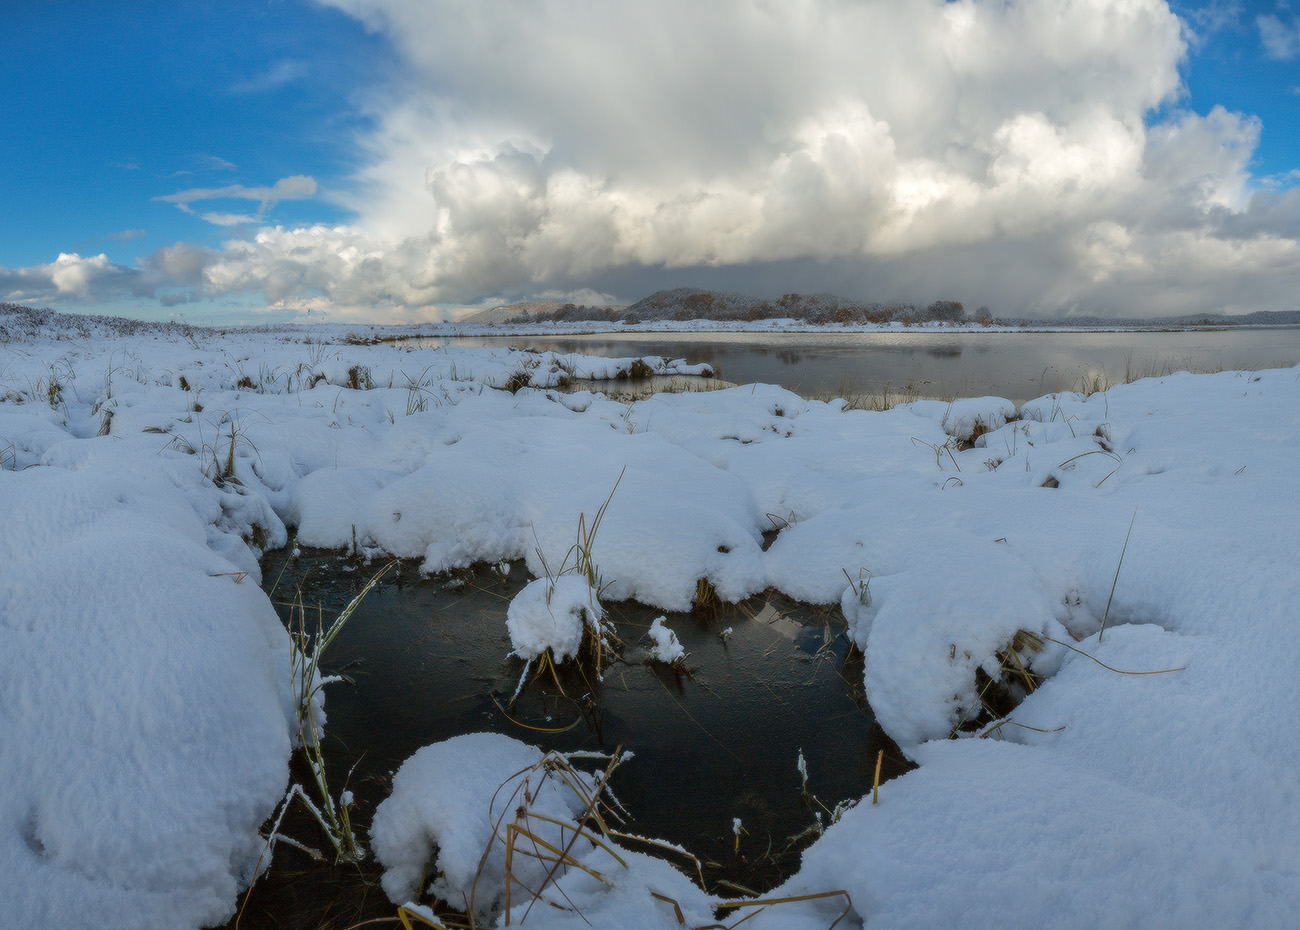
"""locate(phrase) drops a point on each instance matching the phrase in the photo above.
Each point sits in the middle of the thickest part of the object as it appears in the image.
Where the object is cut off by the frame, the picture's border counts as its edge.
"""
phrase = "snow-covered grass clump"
(666, 647)
(451, 797)
(553, 616)
(499, 826)
(145, 699)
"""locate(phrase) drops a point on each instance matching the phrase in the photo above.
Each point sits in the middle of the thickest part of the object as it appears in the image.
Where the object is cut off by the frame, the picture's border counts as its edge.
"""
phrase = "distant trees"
(945, 311)
(819, 309)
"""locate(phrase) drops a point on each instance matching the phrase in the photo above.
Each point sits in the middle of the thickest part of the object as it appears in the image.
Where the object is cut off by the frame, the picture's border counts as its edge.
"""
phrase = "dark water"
(428, 660)
(1016, 365)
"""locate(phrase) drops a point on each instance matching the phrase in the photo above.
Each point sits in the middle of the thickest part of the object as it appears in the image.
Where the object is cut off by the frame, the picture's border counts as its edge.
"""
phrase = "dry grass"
(588, 843)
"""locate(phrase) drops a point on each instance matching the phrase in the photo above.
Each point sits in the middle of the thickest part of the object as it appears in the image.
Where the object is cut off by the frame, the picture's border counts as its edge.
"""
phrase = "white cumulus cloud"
(71, 276)
(560, 143)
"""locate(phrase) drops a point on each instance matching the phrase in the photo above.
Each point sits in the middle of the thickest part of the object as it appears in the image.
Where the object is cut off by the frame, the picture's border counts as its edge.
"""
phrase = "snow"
(553, 614)
(143, 702)
(144, 694)
(968, 418)
(666, 647)
(450, 815)
(454, 797)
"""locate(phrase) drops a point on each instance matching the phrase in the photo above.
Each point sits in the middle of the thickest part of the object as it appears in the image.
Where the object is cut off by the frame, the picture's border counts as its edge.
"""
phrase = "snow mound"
(456, 797)
(1131, 860)
(640, 548)
(144, 706)
(926, 630)
(553, 615)
(455, 800)
(968, 418)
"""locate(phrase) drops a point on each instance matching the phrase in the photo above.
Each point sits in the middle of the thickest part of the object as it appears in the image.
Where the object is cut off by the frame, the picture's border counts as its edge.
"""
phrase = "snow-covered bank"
(144, 697)
(774, 325)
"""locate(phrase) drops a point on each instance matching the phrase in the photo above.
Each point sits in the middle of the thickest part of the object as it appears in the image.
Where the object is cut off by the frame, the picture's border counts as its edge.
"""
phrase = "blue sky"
(1244, 65)
(388, 160)
(111, 107)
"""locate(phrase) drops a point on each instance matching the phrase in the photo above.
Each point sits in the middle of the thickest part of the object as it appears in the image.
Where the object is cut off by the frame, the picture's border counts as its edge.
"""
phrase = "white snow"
(144, 701)
(457, 796)
(458, 806)
(666, 647)
(553, 614)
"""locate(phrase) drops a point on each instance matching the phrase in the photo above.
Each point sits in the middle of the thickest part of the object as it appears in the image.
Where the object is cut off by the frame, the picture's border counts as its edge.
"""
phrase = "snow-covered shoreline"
(785, 325)
(777, 325)
(145, 698)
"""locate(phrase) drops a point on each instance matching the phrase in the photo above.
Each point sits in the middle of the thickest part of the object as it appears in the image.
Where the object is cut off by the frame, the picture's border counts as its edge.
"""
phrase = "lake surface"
(915, 363)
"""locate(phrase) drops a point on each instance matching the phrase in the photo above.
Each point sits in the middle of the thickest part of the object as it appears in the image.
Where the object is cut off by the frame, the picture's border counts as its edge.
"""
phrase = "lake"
(917, 363)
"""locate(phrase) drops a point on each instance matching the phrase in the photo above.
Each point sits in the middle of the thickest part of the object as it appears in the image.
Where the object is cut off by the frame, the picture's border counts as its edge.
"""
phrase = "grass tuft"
(1115, 580)
(308, 647)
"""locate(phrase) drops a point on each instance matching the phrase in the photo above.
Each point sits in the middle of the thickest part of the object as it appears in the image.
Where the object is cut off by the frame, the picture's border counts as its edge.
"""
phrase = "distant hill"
(687, 303)
(521, 312)
(693, 303)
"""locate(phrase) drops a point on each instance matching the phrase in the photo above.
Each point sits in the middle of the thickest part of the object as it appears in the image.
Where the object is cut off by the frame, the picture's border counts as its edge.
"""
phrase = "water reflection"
(1016, 365)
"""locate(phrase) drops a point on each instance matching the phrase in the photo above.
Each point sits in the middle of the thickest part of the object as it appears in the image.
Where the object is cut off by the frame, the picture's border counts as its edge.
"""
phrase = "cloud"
(297, 187)
(215, 163)
(69, 276)
(1203, 22)
(1281, 40)
(125, 235)
(229, 219)
(279, 74)
(757, 140)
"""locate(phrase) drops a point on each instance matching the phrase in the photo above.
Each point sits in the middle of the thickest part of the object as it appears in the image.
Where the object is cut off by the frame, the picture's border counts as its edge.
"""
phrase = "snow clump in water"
(553, 615)
(667, 648)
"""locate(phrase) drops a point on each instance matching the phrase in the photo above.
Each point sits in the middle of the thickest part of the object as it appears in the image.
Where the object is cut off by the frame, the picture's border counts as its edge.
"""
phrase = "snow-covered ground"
(145, 702)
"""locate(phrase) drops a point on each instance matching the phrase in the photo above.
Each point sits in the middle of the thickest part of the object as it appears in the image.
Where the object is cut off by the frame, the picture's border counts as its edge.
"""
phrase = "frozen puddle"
(427, 659)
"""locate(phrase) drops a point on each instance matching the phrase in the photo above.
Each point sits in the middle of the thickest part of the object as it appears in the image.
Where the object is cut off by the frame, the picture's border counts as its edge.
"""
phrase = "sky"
(394, 161)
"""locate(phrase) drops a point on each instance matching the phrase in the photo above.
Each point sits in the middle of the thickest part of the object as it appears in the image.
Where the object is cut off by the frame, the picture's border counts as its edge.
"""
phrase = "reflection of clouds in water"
(1019, 366)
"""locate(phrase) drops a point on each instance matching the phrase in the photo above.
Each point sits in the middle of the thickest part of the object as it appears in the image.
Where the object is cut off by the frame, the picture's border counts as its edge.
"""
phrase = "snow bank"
(987, 834)
(143, 702)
